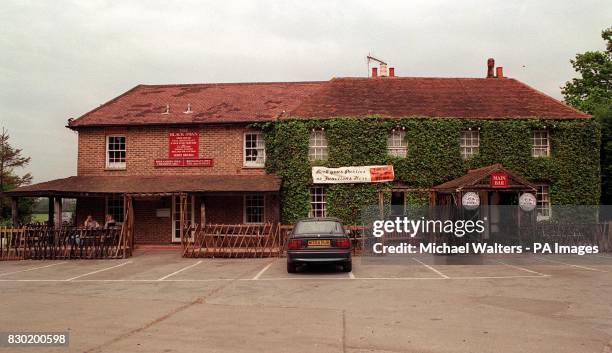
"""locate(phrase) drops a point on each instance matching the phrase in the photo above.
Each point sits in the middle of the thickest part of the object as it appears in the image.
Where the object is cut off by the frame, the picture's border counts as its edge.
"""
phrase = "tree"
(592, 93)
(593, 89)
(10, 160)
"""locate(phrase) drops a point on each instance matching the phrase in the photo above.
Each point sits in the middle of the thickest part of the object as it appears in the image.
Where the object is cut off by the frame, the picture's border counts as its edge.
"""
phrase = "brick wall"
(150, 229)
(222, 143)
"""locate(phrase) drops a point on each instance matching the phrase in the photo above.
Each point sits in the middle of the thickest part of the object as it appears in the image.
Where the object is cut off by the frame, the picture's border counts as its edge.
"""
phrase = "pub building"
(160, 150)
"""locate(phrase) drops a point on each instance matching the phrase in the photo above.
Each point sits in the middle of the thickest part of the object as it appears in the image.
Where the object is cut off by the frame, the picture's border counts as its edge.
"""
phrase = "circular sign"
(470, 200)
(527, 202)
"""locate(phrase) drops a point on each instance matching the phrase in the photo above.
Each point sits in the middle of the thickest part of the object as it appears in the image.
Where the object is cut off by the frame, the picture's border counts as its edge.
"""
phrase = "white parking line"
(256, 277)
(31, 269)
(572, 265)
(431, 268)
(97, 271)
(499, 277)
(179, 271)
(523, 269)
(351, 275)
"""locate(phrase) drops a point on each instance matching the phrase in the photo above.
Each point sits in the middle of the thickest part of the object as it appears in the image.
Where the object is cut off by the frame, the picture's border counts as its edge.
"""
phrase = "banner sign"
(183, 143)
(363, 174)
(499, 180)
(192, 162)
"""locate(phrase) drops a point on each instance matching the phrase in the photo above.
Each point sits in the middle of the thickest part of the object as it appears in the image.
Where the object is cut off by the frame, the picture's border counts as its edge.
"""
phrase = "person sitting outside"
(109, 222)
(90, 222)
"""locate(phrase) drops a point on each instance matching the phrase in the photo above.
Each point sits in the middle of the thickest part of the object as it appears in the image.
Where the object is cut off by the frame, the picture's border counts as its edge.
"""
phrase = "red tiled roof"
(433, 97)
(210, 103)
(150, 184)
(356, 97)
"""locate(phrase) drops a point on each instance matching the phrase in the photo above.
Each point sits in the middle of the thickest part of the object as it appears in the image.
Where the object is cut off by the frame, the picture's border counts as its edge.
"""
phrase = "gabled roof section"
(394, 97)
(488, 98)
(476, 178)
(210, 103)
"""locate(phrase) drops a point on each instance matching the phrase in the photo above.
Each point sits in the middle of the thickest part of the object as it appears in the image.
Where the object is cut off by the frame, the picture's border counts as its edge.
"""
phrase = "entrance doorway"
(176, 216)
(398, 201)
(503, 215)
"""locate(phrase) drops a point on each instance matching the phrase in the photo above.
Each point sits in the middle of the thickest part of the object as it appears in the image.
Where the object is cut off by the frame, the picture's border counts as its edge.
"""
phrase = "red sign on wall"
(383, 173)
(499, 180)
(183, 143)
(191, 162)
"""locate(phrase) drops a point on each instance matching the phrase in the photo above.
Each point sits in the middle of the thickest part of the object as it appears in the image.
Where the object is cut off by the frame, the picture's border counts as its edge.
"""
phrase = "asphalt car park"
(160, 302)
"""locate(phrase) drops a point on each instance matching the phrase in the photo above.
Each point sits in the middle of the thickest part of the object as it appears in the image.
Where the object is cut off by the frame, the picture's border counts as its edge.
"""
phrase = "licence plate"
(319, 242)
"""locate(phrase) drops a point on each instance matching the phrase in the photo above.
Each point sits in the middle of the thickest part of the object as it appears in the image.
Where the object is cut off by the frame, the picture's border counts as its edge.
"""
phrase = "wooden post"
(130, 204)
(519, 212)
(202, 210)
(51, 209)
(381, 204)
(14, 211)
(182, 204)
(128, 221)
(57, 210)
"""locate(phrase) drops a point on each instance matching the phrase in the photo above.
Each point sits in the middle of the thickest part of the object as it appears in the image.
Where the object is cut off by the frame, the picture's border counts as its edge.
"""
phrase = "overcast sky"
(59, 59)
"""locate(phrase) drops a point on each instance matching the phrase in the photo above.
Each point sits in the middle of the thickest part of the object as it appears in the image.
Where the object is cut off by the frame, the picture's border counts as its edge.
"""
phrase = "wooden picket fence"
(50, 243)
(247, 241)
(235, 240)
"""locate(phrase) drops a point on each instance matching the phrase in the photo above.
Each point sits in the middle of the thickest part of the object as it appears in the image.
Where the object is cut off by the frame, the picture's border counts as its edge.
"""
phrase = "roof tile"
(488, 98)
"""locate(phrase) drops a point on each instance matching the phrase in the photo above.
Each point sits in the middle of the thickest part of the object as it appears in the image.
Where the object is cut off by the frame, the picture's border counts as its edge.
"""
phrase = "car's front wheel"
(291, 268)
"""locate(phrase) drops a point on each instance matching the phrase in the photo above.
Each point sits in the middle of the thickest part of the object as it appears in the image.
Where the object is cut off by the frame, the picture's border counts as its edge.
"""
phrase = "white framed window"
(254, 208)
(318, 206)
(540, 143)
(114, 207)
(469, 142)
(115, 152)
(176, 216)
(317, 150)
(396, 143)
(254, 150)
(543, 202)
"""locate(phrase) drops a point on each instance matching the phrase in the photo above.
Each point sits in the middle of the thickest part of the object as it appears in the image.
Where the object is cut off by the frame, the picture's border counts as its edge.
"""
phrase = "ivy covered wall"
(433, 157)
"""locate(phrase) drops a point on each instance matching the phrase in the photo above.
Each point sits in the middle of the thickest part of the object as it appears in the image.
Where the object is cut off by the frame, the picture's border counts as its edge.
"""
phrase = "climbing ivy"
(433, 157)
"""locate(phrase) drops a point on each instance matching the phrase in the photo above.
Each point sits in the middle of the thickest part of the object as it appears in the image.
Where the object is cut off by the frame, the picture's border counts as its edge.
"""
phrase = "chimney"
(391, 72)
(384, 72)
(490, 66)
(374, 72)
(499, 72)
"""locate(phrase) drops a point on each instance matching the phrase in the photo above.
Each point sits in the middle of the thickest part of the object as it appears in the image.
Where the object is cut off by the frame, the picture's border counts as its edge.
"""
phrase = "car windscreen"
(318, 227)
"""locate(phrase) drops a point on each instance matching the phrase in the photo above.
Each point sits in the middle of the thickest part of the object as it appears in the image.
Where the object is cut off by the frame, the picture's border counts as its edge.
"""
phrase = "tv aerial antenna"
(371, 58)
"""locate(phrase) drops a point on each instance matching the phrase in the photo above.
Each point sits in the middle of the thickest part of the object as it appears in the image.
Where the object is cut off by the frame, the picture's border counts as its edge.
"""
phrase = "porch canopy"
(137, 186)
(480, 180)
(80, 186)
